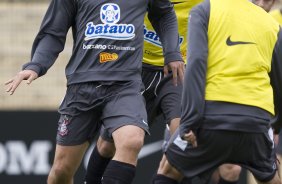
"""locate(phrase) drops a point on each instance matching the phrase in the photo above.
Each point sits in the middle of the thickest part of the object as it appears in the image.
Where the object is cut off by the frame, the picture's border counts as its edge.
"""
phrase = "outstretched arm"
(13, 83)
(48, 43)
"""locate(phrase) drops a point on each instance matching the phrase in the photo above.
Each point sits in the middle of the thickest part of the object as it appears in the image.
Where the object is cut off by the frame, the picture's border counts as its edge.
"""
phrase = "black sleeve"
(276, 82)
(51, 38)
(193, 97)
(162, 17)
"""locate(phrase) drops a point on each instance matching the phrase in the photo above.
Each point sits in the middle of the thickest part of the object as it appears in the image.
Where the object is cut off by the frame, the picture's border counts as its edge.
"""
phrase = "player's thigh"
(80, 112)
(169, 100)
(128, 142)
(126, 108)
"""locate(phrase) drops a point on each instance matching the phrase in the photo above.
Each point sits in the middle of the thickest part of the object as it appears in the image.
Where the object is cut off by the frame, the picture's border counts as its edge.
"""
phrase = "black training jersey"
(234, 66)
(108, 37)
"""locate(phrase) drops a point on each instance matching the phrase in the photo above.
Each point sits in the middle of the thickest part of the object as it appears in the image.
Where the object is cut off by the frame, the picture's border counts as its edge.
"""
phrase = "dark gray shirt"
(107, 35)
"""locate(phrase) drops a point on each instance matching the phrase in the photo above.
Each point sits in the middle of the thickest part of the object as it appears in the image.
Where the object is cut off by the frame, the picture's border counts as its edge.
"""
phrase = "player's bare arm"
(13, 83)
(177, 68)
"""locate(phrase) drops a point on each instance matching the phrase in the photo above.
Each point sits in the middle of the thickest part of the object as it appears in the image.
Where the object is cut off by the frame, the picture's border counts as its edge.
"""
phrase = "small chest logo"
(110, 29)
(110, 13)
(106, 57)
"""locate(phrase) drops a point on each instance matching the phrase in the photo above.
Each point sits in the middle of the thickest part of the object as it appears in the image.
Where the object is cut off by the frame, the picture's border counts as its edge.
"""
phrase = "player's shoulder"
(202, 7)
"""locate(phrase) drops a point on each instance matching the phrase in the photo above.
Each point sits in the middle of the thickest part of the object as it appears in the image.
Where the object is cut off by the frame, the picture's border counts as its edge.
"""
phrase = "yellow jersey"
(152, 52)
(238, 67)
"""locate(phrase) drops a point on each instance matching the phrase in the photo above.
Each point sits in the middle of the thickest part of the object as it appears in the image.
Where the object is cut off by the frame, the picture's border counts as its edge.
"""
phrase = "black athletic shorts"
(253, 151)
(87, 106)
(162, 98)
(161, 95)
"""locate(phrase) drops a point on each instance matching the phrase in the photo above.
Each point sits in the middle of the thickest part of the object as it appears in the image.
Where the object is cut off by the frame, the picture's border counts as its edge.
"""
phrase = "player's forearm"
(45, 54)
(164, 21)
(193, 97)
(51, 37)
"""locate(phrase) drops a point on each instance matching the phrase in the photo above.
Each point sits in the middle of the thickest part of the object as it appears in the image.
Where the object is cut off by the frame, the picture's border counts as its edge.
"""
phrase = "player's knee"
(105, 148)
(130, 144)
(230, 172)
(60, 173)
(129, 138)
(133, 143)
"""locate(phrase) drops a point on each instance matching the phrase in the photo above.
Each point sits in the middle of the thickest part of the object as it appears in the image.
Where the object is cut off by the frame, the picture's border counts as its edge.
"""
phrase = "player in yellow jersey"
(232, 91)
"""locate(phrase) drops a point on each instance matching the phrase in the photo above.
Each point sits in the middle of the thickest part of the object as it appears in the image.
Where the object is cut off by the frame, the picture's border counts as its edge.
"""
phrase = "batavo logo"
(109, 29)
(106, 57)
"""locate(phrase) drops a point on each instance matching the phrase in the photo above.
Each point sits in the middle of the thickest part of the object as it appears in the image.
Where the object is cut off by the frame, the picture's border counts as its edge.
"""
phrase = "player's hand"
(13, 83)
(191, 138)
(177, 68)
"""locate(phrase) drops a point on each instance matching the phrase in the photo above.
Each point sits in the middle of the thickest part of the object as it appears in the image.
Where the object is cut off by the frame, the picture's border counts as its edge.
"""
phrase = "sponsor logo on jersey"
(229, 42)
(106, 57)
(152, 37)
(110, 47)
(109, 29)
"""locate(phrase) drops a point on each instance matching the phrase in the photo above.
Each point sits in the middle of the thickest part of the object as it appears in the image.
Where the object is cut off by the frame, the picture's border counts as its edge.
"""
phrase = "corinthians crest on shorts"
(109, 29)
(63, 127)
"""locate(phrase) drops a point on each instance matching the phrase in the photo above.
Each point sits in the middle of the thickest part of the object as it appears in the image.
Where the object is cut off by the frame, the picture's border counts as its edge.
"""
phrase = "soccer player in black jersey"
(103, 77)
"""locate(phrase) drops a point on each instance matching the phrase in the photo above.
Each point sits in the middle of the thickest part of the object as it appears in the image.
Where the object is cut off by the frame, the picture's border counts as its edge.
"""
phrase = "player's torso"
(239, 60)
(109, 37)
(112, 22)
